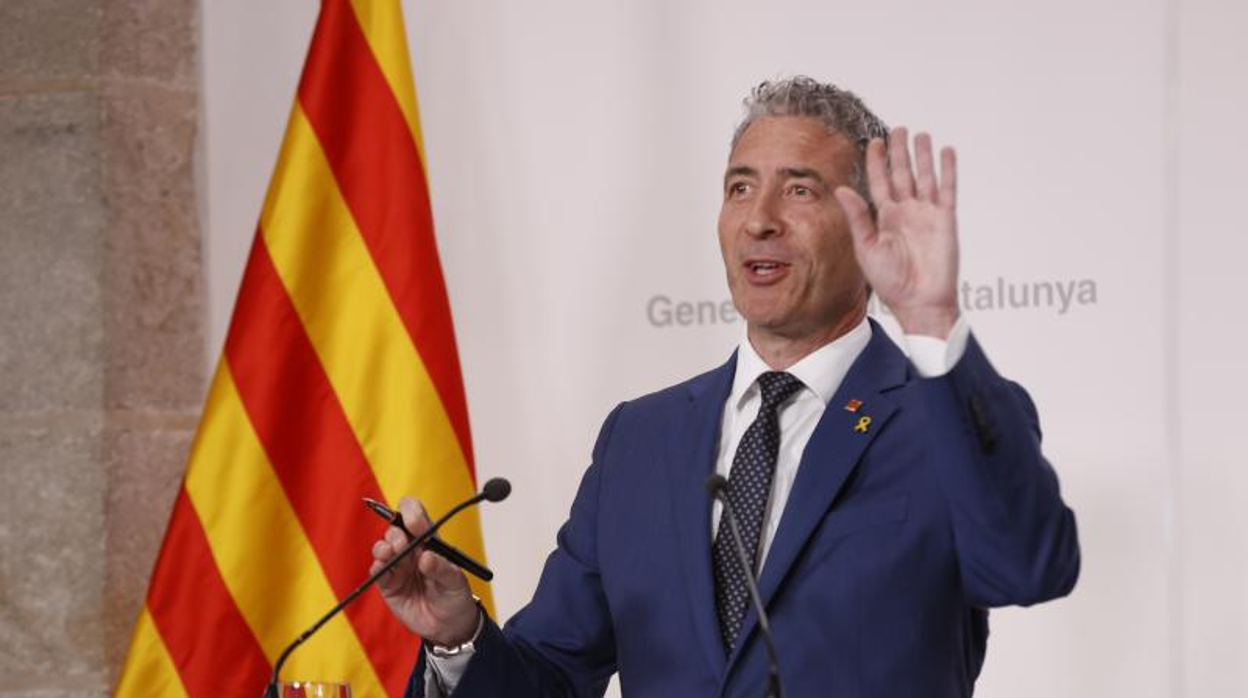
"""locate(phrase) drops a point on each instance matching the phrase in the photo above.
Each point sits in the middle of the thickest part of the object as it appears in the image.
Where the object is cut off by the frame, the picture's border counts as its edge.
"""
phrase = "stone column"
(101, 323)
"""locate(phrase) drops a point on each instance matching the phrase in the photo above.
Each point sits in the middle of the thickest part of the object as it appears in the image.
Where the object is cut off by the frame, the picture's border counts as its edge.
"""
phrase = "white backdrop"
(576, 151)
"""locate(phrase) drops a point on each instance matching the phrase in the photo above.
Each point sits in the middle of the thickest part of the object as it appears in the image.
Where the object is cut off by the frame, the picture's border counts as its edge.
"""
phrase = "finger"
(877, 171)
(385, 550)
(381, 557)
(925, 169)
(377, 565)
(401, 576)
(440, 573)
(382, 551)
(395, 538)
(414, 515)
(948, 178)
(393, 541)
(857, 214)
(899, 164)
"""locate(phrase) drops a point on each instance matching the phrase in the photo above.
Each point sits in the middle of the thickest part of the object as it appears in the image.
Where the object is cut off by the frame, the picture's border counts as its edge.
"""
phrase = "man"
(886, 501)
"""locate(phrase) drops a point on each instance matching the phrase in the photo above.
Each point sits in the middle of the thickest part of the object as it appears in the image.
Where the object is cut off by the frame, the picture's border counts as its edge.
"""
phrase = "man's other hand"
(425, 592)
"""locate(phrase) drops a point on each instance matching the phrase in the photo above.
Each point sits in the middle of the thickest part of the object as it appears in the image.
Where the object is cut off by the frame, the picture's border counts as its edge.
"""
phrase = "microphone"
(494, 490)
(716, 484)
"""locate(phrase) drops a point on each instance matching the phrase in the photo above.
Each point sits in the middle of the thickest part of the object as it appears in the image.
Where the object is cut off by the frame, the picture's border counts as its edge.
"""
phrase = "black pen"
(458, 557)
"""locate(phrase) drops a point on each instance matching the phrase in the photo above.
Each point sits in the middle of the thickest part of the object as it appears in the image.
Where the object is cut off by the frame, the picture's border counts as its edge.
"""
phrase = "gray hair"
(840, 111)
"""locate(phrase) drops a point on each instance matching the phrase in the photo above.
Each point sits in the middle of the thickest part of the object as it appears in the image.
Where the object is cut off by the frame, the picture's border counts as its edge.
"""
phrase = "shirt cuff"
(933, 357)
(442, 674)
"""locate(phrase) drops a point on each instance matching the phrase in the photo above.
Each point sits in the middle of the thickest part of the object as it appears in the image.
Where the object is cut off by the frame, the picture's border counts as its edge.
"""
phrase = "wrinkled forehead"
(778, 143)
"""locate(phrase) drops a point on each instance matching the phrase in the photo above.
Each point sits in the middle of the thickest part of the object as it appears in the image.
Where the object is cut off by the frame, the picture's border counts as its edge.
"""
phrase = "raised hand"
(425, 592)
(909, 252)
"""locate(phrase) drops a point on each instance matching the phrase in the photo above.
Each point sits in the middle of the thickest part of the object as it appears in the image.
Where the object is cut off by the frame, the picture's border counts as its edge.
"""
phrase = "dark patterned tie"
(749, 486)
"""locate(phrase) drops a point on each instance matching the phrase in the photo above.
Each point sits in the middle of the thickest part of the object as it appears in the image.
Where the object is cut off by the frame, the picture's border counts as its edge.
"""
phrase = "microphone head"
(496, 489)
(715, 484)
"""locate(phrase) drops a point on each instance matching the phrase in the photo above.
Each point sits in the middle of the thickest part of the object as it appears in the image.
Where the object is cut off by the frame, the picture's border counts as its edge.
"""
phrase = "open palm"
(909, 250)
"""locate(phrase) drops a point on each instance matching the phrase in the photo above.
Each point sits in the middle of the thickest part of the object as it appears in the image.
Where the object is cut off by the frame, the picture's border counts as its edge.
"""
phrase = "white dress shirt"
(821, 372)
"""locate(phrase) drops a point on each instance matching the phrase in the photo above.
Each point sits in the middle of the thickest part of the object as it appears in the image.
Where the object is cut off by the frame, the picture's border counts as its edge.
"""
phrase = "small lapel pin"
(853, 405)
(863, 423)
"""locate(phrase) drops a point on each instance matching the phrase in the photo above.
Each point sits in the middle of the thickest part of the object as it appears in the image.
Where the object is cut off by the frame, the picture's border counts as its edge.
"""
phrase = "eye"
(738, 189)
(801, 191)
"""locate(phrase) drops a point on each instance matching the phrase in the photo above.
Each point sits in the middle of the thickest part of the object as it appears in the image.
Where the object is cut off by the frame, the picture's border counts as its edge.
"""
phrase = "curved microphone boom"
(715, 486)
(494, 490)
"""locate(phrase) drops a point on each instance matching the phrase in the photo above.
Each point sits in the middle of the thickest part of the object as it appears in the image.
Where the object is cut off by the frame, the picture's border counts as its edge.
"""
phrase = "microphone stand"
(715, 485)
(495, 490)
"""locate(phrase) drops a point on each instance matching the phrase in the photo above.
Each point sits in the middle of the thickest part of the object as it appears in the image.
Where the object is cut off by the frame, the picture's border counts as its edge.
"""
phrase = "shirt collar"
(821, 371)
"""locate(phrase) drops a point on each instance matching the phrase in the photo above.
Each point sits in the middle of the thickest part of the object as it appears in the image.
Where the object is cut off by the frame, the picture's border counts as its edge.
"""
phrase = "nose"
(763, 220)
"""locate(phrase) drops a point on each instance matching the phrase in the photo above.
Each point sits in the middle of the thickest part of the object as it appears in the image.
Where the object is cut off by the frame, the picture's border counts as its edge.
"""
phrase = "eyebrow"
(739, 171)
(788, 172)
(803, 173)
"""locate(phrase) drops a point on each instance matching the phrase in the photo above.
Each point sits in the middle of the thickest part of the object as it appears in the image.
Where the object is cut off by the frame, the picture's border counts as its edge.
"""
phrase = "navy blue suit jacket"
(892, 545)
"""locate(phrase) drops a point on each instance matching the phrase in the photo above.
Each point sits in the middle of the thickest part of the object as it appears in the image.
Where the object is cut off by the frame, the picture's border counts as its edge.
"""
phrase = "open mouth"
(763, 270)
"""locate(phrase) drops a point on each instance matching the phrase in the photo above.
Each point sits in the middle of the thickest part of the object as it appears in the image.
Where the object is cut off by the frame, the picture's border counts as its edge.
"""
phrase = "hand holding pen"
(454, 555)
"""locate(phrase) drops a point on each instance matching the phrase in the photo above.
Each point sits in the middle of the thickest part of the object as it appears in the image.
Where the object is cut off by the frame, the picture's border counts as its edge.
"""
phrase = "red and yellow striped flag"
(339, 380)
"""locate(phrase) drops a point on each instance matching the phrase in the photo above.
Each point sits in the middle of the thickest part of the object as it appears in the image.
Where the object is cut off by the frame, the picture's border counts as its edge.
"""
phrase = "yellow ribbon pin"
(863, 423)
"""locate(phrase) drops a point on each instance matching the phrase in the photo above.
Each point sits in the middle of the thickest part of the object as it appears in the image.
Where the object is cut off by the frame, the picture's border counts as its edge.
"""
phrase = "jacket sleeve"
(1015, 537)
(562, 643)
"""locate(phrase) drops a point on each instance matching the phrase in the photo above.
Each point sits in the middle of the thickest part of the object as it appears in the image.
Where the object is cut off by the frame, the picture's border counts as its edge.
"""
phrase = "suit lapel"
(694, 440)
(829, 458)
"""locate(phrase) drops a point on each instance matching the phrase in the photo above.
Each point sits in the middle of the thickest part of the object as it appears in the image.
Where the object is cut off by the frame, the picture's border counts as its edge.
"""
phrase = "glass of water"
(314, 689)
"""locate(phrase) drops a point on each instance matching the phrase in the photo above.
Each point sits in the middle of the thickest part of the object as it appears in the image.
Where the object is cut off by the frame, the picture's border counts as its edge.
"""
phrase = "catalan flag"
(339, 380)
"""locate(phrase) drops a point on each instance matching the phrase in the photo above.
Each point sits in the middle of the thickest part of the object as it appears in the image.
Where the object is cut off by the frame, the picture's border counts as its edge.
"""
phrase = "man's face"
(786, 244)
